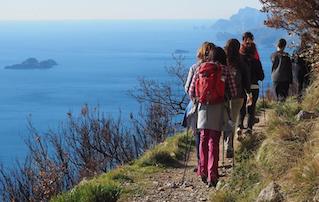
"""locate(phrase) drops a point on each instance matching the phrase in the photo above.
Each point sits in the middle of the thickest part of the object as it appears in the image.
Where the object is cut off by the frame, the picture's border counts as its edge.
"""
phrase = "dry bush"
(82, 147)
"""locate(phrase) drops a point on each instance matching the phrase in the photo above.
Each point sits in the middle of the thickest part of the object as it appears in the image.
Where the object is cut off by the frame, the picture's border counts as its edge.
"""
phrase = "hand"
(194, 100)
(249, 100)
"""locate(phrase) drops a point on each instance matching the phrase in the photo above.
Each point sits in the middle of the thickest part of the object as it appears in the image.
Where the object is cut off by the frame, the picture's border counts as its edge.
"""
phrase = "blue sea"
(98, 62)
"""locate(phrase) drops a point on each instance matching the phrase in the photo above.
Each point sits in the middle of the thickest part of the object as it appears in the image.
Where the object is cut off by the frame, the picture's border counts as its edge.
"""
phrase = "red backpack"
(210, 85)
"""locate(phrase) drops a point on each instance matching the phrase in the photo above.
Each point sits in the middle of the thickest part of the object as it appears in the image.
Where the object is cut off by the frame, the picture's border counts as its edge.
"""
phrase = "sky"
(120, 9)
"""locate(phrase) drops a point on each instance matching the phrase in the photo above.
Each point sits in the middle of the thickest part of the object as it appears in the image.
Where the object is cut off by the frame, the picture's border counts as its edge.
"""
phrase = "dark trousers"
(281, 89)
(251, 110)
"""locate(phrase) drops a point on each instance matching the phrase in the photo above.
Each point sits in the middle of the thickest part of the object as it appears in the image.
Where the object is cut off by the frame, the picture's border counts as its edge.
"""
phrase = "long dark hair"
(219, 56)
(232, 51)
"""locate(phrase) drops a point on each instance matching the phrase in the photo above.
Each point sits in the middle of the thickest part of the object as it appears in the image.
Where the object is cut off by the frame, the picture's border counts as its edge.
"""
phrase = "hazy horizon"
(120, 9)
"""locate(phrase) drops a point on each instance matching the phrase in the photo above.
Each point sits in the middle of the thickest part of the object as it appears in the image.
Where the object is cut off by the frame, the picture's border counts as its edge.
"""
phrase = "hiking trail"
(167, 186)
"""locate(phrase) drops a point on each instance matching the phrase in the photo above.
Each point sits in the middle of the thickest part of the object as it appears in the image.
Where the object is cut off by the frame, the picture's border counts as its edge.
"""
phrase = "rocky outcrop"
(304, 115)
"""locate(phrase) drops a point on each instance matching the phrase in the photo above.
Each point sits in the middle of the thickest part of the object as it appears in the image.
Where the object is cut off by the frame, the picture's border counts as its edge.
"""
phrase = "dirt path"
(167, 186)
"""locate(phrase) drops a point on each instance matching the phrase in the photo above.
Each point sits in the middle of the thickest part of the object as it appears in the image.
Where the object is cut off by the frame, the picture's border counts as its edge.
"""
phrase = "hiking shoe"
(239, 134)
(230, 153)
(204, 179)
(256, 120)
(249, 131)
(212, 184)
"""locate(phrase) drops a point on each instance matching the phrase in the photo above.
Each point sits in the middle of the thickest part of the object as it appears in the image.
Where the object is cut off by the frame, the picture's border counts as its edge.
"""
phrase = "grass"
(311, 101)
(263, 104)
(167, 154)
(244, 184)
(287, 152)
(124, 181)
(91, 192)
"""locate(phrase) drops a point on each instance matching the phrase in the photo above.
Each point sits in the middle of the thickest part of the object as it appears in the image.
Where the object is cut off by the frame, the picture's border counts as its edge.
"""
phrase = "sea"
(98, 62)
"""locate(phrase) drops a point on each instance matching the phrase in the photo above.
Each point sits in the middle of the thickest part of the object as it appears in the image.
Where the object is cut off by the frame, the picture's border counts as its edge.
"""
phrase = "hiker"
(207, 89)
(190, 117)
(242, 77)
(281, 71)
(301, 70)
(248, 38)
(248, 53)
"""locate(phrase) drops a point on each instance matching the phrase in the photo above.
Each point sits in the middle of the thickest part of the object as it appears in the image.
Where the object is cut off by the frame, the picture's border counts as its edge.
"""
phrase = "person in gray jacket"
(281, 71)
(210, 119)
(190, 116)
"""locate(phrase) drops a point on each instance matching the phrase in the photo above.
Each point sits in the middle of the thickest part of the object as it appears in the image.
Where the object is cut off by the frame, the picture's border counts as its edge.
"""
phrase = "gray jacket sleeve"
(191, 73)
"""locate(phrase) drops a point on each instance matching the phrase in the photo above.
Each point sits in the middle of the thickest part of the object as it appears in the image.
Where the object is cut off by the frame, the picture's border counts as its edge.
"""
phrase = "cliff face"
(248, 19)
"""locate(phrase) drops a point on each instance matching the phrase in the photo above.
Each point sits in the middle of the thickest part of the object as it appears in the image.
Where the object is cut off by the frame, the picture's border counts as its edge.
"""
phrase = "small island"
(180, 51)
(33, 63)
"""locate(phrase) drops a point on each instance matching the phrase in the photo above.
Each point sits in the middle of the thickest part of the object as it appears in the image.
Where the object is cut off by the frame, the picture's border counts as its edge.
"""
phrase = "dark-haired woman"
(241, 73)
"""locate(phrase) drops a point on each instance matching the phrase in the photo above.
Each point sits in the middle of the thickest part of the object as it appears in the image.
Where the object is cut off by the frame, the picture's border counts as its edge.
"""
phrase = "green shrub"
(245, 176)
(263, 104)
(90, 193)
(222, 196)
(122, 178)
(288, 110)
(160, 158)
(167, 154)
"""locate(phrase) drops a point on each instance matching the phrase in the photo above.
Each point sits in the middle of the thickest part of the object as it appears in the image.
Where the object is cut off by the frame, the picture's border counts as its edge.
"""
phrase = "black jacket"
(245, 82)
(281, 70)
(255, 68)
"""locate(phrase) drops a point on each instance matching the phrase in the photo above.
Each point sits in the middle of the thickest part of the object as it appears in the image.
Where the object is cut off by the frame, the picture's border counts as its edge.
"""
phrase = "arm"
(230, 81)
(274, 60)
(260, 71)
(189, 77)
(191, 90)
(246, 76)
(290, 72)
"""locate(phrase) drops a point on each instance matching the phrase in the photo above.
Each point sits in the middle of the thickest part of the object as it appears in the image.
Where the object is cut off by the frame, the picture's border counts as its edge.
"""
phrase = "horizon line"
(109, 19)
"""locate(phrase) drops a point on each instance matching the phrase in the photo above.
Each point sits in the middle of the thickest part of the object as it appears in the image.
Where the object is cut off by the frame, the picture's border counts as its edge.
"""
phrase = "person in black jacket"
(281, 71)
(301, 70)
(248, 53)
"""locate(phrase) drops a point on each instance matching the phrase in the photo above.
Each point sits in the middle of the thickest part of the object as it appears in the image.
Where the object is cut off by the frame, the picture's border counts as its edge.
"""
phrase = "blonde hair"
(203, 51)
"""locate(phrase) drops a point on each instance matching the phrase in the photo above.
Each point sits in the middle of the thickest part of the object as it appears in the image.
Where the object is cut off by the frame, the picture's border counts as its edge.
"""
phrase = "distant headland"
(33, 63)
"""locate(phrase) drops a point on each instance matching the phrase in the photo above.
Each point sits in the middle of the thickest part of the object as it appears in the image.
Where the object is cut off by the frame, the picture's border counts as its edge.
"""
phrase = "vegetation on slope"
(287, 153)
(112, 185)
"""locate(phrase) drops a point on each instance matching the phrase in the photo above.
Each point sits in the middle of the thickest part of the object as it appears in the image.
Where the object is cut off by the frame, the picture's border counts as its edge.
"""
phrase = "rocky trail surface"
(170, 186)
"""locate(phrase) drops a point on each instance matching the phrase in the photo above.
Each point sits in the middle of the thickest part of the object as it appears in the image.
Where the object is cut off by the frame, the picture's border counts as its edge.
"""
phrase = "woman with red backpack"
(190, 116)
(208, 90)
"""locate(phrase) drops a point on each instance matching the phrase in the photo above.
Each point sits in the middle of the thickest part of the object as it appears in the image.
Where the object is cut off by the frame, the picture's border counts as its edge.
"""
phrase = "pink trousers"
(209, 154)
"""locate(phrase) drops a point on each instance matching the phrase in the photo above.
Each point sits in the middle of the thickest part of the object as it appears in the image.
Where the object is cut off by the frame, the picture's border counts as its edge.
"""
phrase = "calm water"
(98, 62)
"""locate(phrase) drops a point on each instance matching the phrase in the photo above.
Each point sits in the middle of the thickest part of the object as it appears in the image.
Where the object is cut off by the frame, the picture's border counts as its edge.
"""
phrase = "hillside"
(282, 153)
(248, 19)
